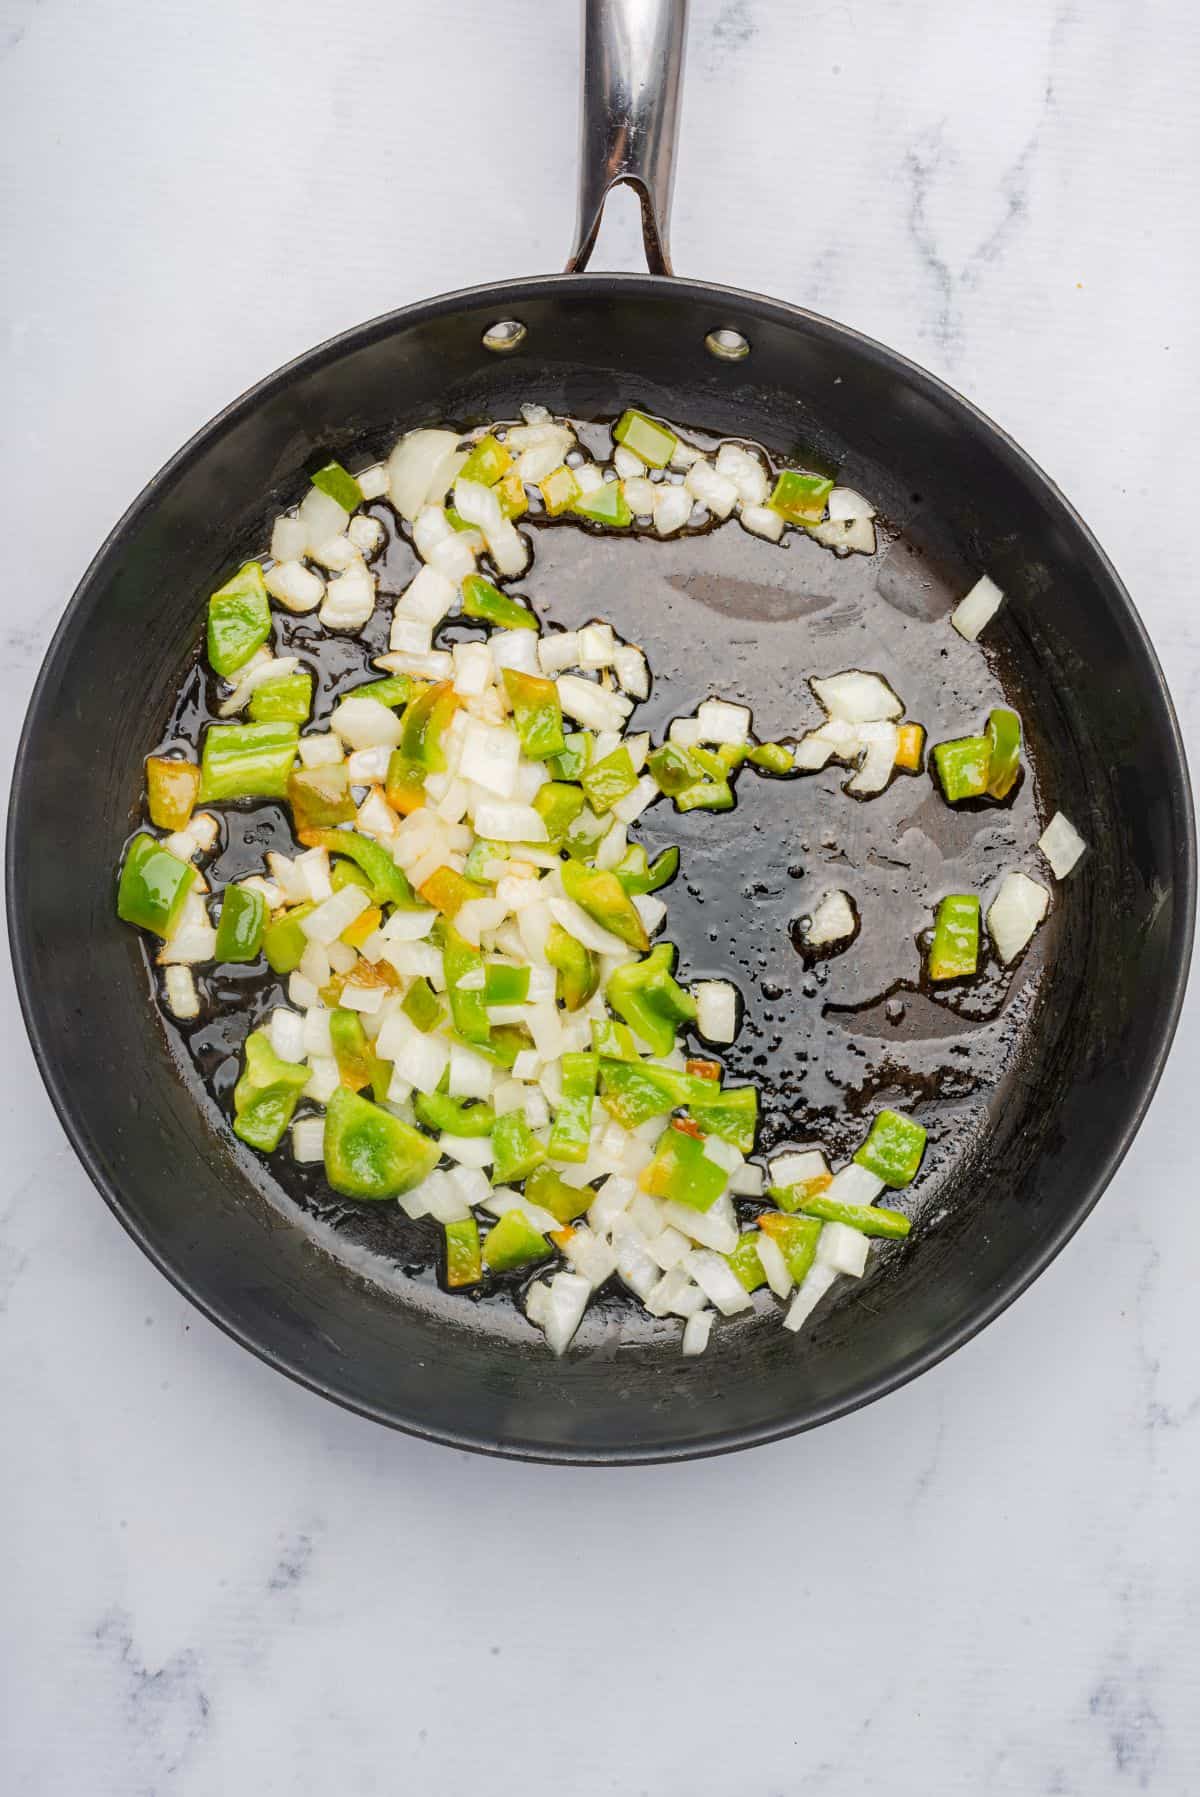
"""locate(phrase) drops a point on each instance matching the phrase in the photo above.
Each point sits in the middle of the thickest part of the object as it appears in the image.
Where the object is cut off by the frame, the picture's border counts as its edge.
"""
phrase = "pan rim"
(504, 295)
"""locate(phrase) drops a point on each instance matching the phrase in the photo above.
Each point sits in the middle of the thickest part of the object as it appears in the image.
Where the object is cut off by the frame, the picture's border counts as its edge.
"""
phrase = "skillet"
(1062, 1073)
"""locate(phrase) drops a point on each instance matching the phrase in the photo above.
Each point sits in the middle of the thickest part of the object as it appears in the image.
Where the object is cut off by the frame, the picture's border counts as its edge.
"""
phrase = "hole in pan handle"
(629, 117)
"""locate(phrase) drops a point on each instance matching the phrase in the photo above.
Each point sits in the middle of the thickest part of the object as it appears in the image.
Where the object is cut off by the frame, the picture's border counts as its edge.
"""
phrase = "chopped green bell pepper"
(422, 1006)
(796, 1239)
(516, 1151)
(319, 798)
(286, 701)
(575, 965)
(464, 1264)
(571, 1135)
(394, 690)
(480, 599)
(559, 490)
(793, 1197)
(424, 724)
(451, 1116)
(266, 1094)
(447, 891)
(671, 769)
(732, 1115)
(514, 1242)
(682, 1172)
(358, 1064)
(404, 786)
(537, 713)
(799, 497)
(468, 1007)
(745, 1263)
(284, 942)
(1004, 751)
(650, 1000)
(154, 885)
(241, 924)
(510, 491)
(614, 1041)
(171, 789)
(955, 950)
(371, 1154)
(863, 1217)
(340, 486)
(388, 884)
(963, 766)
(653, 442)
(605, 900)
(604, 505)
(634, 1091)
(487, 462)
(637, 875)
(247, 761)
(772, 758)
(609, 780)
(893, 1149)
(558, 805)
(571, 760)
(239, 620)
(484, 859)
(505, 985)
(347, 873)
(546, 1187)
(706, 795)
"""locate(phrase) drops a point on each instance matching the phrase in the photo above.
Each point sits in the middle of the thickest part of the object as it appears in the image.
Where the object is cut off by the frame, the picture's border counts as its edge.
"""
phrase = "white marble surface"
(215, 1582)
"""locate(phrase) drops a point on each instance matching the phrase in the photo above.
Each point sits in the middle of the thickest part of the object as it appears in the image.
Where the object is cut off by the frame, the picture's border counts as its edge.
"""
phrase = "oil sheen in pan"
(722, 612)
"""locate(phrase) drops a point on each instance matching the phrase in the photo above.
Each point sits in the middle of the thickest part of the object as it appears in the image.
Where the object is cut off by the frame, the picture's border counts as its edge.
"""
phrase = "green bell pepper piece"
(732, 1115)
(266, 1094)
(772, 758)
(319, 798)
(571, 760)
(484, 857)
(546, 1187)
(609, 780)
(799, 497)
(480, 599)
(893, 1149)
(706, 795)
(241, 924)
(505, 985)
(348, 873)
(745, 1263)
(340, 486)
(585, 837)
(422, 1006)
(388, 884)
(371, 1154)
(650, 1000)
(638, 875)
(239, 620)
(516, 1151)
(487, 462)
(1004, 751)
(451, 1116)
(286, 701)
(575, 965)
(558, 805)
(154, 885)
(468, 1008)
(863, 1217)
(671, 769)
(963, 767)
(605, 900)
(634, 1091)
(571, 1135)
(358, 1063)
(513, 1242)
(284, 942)
(955, 950)
(653, 442)
(247, 761)
(796, 1239)
(464, 1264)
(424, 724)
(537, 713)
(614, 1041)
(682, 1172)
(604, 505)
(171, 789)
(393, 690)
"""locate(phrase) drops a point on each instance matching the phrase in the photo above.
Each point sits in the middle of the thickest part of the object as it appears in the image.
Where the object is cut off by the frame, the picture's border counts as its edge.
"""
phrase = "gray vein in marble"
(166, 1709)
(732, 29)
(1122, 1705)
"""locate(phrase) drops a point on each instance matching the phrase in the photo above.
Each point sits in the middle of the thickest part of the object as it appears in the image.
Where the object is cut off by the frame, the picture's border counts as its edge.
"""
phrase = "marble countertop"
(215, 1581)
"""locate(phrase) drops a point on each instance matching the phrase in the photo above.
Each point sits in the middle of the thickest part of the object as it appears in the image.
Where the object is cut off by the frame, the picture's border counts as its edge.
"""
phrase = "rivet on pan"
(504, 336)
(727, 346)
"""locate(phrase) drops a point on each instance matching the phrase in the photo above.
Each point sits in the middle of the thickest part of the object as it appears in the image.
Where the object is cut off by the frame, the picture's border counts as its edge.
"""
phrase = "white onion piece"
(854, 1184)
(312, 868)
(716, 1009)
(455, 557)
(193, 938)
(470, 1073)
(489, 758)
(711, 489)
(308, 1139)
(367, 1000)
(844, 505)
(612, 1198)
(1015, 913)
(507, 548)
(576, 922)
(182, 999)
(722, 1154)
(761, 521)
(322, 518)
(437, 665)
(271, 669)
(883, 745)
(719, 722)
(289, 540)
(1061, 844)
(718, 1281)
(558, 651)
(349, 599)
(797, 1167)
(321, 749)
(333, 915)
(336, 554)
(672, 509)
(842, 1248)
(428, 596)
(318, 1039)
(978, 608)
(410, 636)
(848, 535)
(651, 909)
(562, 1309)
(832, 921)
(515, 649)
(294, 585)
(636, 1268)
(419, 469)
(631, 670)
(467, 1151)
(640, 495)
(373, 481)
(745, 470)
(773, 1264)
(593, 706)
(501, 820)
(747, 1182)
(323, 1081)
(503, 1199)
(714, 1228)
(857, 698)
(597, 646)
(816, 1283)
(643, 795)
(364, 723)
(472, 669)
(590, 1256)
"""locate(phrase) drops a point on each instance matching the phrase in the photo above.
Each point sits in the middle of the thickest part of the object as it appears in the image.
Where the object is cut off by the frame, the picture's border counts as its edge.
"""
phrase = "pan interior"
(1038, 1080)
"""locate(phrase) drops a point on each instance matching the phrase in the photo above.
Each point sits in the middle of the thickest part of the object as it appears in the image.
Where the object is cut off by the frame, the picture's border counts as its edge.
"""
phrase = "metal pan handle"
(632, 72)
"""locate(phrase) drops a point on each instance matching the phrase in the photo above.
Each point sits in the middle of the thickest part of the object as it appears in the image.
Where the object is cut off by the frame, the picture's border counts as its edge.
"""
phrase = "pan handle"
(629, 125)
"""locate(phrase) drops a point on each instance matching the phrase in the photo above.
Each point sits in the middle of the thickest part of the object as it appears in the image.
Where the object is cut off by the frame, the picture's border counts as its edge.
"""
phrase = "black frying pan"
(1018, 1176)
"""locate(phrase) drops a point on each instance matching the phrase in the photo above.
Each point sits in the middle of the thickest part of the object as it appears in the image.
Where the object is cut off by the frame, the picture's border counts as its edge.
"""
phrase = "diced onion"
(672, 509)
(419, 469)
(762, 521)
(843, 1249)
(289, 540)
(857, 698)
(349, 599)
(182, 999)
(1015, 913)
(883, 745)
(854, 1184)
(797, 1167)
(561, 1310)
(773, 1264)
(308, 1139)
(716, 1009)
(833, 920)
(717, 1281)
(816, 1283)
(595, 707)
(1061, 844)
(977, 609)
(364, 723)
(720, 722)
(294, 585)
